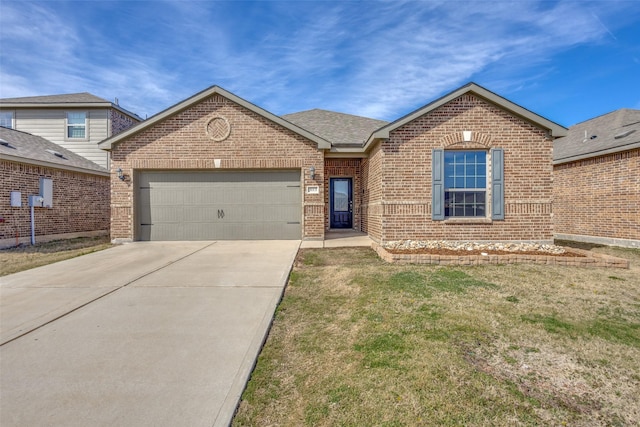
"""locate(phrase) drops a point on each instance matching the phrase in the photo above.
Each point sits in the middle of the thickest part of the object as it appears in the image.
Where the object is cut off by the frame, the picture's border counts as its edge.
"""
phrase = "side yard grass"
(356, 341)
(25, 257)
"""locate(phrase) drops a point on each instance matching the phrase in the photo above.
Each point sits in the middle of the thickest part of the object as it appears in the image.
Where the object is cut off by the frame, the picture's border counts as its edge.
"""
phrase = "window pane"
(75, 132)
(6, 119)
(76, 125)
(76, 118)
(465, 170)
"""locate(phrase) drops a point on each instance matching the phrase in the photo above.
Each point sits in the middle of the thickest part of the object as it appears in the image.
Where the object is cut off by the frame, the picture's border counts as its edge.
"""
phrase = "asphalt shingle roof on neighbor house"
(70, 98)
(84, 99)
(610, 133)
(338, 128)
(24, 147)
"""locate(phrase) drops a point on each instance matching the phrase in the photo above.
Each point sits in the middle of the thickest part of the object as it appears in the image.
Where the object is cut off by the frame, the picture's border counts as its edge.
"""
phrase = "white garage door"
(219, 205)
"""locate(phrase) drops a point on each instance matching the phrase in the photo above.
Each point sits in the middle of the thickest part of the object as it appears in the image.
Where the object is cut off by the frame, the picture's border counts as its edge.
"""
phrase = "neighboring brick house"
(597, 180)
(468, 166)
(76, 121)
(80, 191)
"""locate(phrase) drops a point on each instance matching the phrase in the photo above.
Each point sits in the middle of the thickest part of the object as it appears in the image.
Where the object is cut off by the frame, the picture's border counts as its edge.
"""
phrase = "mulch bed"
(435, 251)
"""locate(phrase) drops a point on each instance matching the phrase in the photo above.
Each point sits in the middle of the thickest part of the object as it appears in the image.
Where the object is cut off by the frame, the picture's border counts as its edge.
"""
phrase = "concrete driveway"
(143, 334)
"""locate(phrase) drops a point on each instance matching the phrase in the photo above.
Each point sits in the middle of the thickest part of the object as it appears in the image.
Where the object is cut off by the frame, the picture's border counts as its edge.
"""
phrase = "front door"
(341, 215)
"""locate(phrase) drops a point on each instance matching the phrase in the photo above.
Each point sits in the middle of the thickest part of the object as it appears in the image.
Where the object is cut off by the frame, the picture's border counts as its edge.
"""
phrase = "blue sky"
(566, 60)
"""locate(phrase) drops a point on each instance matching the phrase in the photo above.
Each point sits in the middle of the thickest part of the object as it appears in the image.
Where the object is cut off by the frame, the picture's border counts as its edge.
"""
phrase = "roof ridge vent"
(57, 154)
(624, 134)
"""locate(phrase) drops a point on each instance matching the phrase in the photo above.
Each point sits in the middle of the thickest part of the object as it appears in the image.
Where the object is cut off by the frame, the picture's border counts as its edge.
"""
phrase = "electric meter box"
(46, 192)
(16, 199)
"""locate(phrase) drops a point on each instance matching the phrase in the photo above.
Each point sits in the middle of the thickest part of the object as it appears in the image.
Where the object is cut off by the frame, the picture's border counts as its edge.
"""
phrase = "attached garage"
(216, 167)
(219, 205)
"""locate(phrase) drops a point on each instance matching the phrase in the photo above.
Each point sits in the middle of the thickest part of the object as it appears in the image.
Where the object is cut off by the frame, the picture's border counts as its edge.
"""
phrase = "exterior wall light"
(312, 172)
(120, 174)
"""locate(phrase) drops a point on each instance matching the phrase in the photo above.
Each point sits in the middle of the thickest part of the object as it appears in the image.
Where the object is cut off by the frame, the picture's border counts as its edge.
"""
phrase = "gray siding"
(51, 124)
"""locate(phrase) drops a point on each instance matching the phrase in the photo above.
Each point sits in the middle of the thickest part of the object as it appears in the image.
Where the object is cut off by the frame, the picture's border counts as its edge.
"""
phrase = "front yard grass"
(24, 257)
(358, 342)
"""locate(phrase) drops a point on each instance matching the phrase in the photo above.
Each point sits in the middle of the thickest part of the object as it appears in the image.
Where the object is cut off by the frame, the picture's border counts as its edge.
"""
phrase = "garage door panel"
(213, 205)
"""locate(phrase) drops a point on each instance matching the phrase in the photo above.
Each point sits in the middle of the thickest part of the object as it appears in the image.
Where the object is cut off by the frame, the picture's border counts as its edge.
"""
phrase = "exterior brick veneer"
(599, 197)
(589, 259)
(80, 203)
(397, 176)
(120, 121)
(181, 142)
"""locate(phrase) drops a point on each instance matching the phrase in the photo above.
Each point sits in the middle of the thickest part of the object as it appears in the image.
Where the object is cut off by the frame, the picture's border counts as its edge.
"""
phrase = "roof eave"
(555, 130)
(108, 144)
(18, 159)
(592, 154)
(59, 105)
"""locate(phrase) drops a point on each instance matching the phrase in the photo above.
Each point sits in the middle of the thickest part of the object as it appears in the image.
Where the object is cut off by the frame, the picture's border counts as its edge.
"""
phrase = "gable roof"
(24, 147)
(109, 143)
(477, 90)
(70, 100)
(338, 128)
(610, 133)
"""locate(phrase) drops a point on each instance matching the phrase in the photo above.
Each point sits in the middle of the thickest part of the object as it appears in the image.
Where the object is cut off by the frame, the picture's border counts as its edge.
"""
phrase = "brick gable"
(402, 175)
(181, 142)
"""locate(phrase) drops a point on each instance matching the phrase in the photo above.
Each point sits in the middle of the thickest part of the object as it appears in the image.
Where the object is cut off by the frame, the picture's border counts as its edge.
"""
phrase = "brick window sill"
(467, 221)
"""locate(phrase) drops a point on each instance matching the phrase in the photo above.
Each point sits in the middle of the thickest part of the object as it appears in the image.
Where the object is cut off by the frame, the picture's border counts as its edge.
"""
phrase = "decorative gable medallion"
(218, 128)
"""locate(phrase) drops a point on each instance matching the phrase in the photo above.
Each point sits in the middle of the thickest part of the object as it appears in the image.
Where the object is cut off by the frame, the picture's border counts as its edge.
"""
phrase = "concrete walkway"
(144, 334)
(340, 239)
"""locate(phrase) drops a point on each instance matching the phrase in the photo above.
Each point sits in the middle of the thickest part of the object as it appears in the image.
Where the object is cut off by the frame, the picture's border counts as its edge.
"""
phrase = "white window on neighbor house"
(6, 119)
(76, 125)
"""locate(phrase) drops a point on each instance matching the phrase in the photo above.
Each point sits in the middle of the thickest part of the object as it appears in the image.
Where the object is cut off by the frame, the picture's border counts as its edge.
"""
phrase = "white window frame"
(484, 189)
(69, 125)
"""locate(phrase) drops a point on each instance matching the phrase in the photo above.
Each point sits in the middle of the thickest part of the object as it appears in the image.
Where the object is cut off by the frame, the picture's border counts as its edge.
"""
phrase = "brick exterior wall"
(599, 197)
(400, 171)
(344, 168)
(181, 142)
(372, 197)
(80, 202)
(120, 122)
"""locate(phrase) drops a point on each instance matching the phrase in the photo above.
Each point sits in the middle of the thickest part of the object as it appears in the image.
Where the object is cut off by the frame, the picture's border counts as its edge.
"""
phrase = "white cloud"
(375, 59)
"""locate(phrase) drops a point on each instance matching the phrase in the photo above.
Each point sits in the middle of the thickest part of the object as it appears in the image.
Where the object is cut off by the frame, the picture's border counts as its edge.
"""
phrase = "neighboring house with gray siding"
(597, 180)
(76, 121)
(80, 200)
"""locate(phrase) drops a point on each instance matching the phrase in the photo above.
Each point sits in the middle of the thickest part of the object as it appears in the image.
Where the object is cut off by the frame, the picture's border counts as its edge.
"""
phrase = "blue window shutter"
(497, 183)
(437, 184)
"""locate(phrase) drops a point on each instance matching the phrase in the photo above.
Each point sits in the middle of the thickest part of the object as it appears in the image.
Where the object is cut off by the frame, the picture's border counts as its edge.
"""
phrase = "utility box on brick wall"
(46, 192)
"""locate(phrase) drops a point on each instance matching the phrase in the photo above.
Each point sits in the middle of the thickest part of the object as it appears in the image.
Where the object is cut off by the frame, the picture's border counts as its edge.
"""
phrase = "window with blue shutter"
(459, 184)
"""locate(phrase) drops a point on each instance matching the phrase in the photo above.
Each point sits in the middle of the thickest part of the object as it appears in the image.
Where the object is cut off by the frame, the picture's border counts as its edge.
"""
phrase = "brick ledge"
(590, 259)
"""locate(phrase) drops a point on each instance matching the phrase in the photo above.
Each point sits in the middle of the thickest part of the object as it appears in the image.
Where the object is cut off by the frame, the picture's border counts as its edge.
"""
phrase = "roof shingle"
(27, 147)
(610, 133)
(338, 128)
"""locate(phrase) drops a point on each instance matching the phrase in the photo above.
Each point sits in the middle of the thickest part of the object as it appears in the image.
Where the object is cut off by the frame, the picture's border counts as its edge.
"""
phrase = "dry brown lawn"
(357, 342)
(24, 257)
